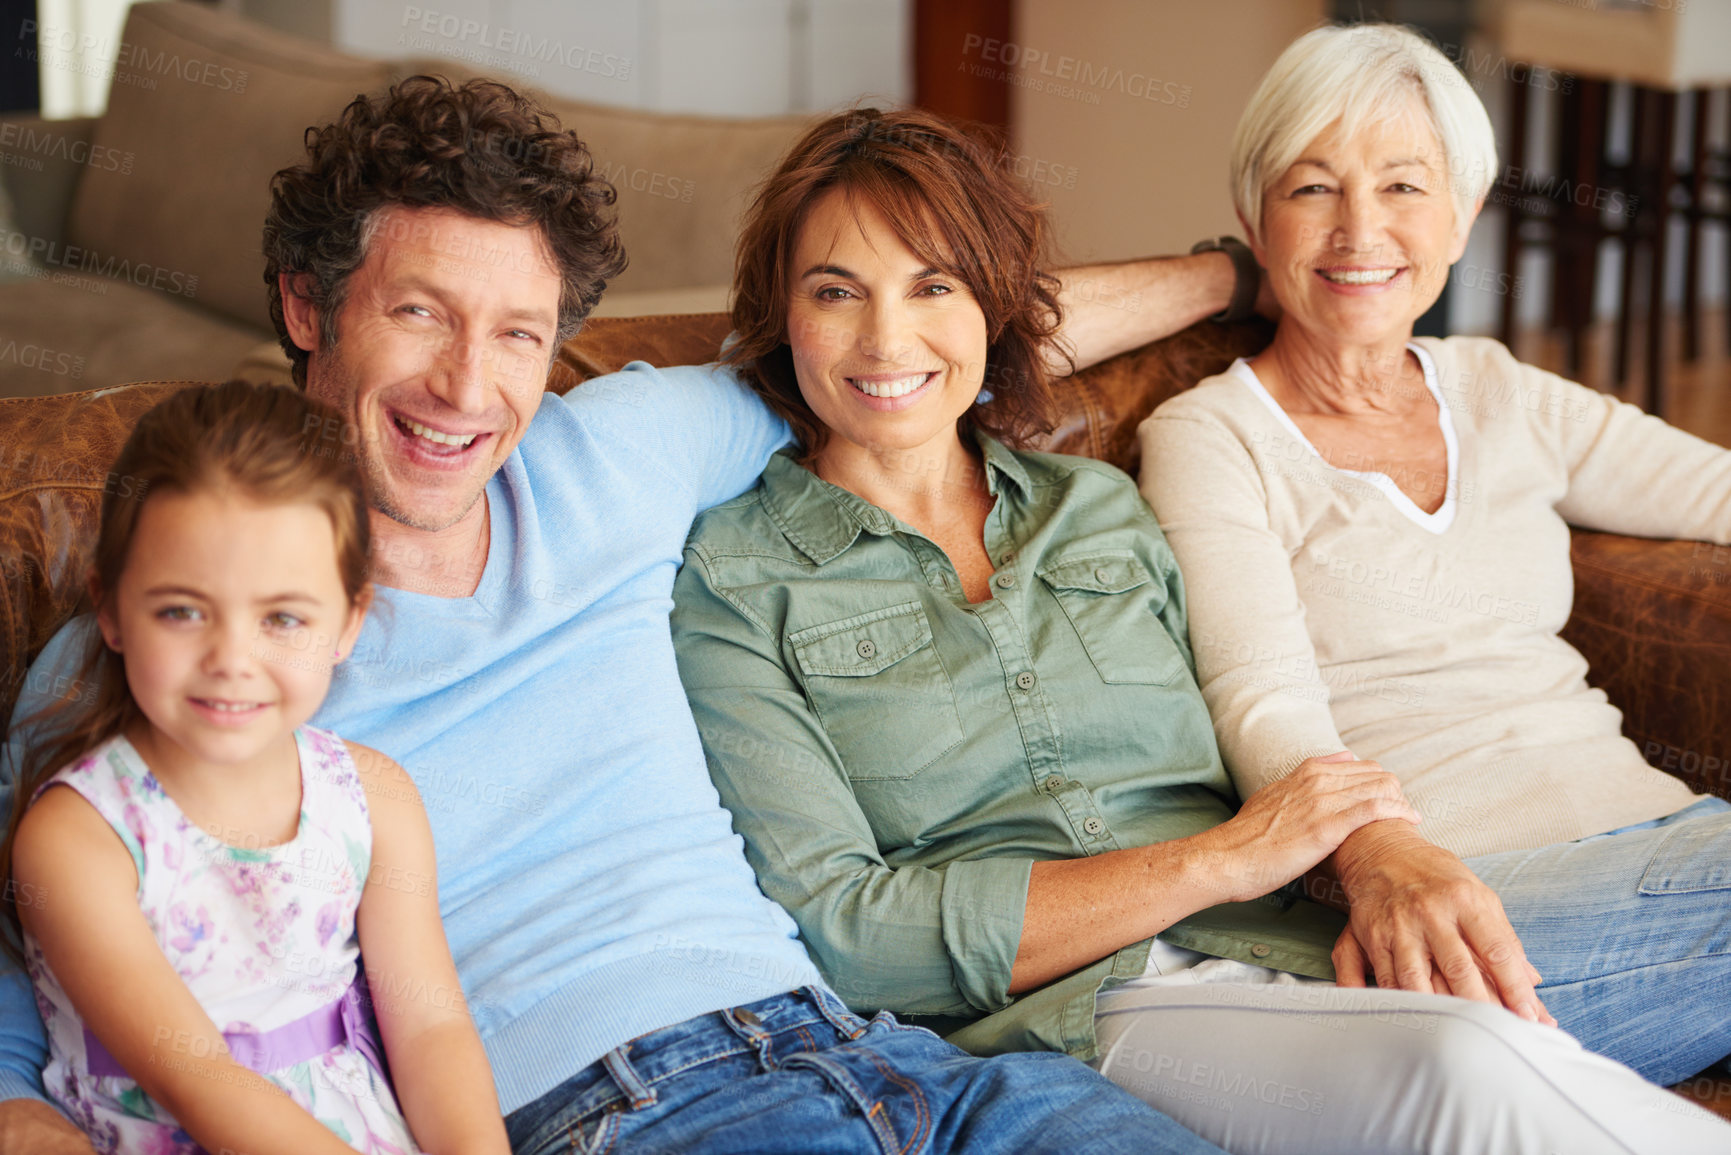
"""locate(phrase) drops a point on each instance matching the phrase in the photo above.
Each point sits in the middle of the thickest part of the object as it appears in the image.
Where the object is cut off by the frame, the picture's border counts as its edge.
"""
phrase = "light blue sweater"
(591, 883)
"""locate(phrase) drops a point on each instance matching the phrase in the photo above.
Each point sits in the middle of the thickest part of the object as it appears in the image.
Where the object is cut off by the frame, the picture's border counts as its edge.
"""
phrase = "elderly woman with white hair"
(1374, 533)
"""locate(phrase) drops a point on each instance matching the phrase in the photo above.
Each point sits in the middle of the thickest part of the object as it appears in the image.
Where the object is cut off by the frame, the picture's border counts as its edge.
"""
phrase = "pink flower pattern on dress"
(329, 916)
(260, 938)
(192, 929)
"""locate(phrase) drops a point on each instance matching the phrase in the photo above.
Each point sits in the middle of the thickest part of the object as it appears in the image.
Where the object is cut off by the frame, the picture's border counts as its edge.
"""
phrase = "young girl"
(201, 868)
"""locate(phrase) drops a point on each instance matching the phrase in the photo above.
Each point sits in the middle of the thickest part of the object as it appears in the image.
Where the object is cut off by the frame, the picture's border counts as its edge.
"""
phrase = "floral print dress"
(263, 936)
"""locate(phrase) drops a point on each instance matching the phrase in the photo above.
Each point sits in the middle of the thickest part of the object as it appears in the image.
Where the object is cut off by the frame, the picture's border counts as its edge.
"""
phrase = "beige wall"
(1123, 111)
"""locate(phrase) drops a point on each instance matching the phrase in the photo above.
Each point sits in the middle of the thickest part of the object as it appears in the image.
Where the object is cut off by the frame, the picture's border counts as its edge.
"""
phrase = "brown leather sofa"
(1652, 617)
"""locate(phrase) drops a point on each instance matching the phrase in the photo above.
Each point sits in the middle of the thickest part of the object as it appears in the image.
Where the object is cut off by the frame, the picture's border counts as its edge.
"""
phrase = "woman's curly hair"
(479, 148)
(956, 203)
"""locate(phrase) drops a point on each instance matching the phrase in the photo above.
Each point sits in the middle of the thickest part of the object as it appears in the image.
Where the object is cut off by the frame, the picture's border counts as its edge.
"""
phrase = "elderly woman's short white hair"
(1359, 75)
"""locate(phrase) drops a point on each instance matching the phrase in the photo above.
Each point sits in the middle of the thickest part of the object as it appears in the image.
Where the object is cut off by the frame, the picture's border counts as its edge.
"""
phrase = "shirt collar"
(1001, 461)
(823, 520)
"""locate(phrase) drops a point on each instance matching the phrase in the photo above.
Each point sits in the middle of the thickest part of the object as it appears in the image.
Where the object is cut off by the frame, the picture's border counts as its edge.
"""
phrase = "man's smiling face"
(445, 337)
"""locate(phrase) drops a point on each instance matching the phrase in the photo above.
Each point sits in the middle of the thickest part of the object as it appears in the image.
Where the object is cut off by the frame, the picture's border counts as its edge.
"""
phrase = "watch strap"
(1247, 276)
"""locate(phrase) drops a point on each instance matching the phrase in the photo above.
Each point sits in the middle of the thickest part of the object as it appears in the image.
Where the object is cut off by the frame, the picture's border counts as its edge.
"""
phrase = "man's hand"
(32, 1127)
(1422, 921)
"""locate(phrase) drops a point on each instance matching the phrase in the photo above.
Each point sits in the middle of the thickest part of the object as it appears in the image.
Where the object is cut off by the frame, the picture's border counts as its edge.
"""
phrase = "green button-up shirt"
(897, 759)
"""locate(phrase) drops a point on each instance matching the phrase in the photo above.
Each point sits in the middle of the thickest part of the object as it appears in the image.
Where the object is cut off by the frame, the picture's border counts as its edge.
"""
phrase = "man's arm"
(1111, 308)
(32, 1127)
(29, 1125)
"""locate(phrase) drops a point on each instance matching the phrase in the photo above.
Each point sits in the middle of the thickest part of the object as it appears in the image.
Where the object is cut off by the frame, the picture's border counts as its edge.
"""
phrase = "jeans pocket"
(590, 1133)
(602, 1137)
(1694, 856)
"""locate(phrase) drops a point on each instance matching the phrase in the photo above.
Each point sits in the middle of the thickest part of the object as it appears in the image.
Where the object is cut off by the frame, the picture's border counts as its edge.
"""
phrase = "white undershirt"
(1437, 522)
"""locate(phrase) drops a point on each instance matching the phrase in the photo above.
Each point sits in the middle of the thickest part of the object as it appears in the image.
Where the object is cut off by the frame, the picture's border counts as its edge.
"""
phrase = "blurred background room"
(136, 142)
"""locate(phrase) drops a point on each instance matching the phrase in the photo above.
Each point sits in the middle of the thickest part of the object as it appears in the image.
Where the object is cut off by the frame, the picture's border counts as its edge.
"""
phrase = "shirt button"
(1055, 782)
(1005, 580)
(1007, 558)
(1093, 826)
(1261, 950)
(867, 648)
(1102, 575)
(1024, 681)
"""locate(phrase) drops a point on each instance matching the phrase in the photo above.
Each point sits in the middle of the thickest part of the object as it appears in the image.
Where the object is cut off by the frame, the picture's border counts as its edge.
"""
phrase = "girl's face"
(228, 615)
(888, 351)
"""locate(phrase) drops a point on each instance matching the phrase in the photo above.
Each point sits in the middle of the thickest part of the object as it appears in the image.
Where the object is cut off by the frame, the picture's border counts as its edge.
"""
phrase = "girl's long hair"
(269, 443)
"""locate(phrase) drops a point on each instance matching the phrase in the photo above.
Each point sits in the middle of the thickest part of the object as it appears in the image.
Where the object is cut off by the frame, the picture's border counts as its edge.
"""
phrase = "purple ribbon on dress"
(345, 1021)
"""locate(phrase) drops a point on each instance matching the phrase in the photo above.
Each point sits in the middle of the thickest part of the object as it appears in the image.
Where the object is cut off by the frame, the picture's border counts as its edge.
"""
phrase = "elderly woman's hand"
(1422, 921)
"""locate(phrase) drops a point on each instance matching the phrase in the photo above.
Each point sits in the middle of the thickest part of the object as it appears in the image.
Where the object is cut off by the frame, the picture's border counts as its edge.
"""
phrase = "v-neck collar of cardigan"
(823, 520)
(1444, 516)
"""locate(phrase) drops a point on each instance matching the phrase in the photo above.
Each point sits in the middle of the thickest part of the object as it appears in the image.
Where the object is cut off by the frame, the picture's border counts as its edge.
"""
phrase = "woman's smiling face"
(1359, 234)
(889, 351)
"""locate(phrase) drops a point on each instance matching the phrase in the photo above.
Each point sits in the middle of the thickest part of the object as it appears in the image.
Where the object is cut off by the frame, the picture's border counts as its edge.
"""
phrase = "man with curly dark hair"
(633, 986)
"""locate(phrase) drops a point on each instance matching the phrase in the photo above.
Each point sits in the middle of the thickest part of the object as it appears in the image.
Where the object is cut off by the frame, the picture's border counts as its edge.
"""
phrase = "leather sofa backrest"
(57, 451)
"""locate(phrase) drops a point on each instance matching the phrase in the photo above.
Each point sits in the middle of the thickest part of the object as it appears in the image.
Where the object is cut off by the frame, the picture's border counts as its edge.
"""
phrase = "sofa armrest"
(52, 480)
(43, 161)
(1653, 619)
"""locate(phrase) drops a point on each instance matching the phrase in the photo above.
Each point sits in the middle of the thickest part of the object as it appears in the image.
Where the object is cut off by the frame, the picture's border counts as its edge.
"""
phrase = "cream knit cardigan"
(1328, 612)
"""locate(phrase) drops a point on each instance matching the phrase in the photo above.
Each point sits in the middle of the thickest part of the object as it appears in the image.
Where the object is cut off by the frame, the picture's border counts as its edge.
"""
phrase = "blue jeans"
(1631, 930)
(799, 1073)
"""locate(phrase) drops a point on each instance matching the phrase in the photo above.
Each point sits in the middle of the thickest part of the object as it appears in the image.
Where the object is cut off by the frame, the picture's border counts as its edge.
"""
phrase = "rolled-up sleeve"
(938, 940)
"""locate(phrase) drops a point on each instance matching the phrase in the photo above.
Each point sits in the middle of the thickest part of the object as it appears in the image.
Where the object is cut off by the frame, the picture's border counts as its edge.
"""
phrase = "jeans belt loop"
(743, 1021)
(625, 1075)
(850, 1025)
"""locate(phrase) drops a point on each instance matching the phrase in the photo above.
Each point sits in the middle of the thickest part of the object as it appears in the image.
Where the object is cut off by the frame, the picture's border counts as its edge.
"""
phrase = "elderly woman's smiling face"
(1358, 235)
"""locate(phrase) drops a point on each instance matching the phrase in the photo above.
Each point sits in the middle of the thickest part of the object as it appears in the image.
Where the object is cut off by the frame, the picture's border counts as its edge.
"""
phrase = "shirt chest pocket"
(1114, 604)
(880, 691)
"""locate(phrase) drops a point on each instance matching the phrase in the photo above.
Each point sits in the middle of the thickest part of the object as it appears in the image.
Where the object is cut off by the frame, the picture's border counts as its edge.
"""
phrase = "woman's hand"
(1293, 823)
(1423, 921)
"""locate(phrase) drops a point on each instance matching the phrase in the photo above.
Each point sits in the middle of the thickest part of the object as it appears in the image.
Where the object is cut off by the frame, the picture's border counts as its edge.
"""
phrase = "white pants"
(1257, 1060)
